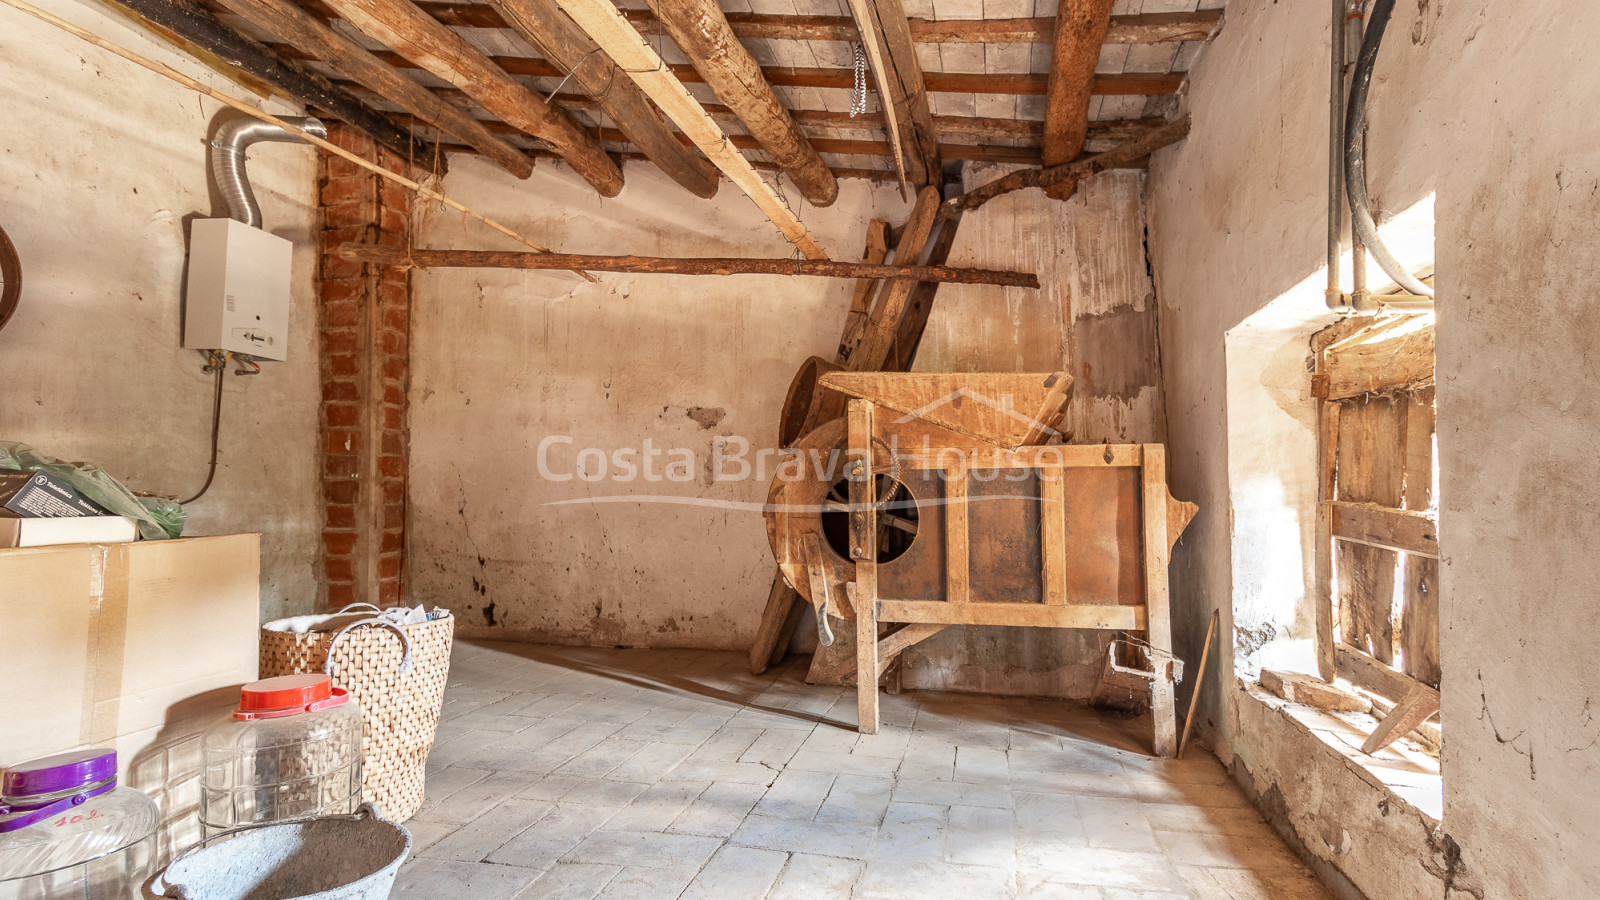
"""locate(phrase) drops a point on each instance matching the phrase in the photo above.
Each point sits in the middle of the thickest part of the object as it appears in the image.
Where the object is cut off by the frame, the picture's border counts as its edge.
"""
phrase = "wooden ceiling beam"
(1080, 32)
(546, 27)
(902, 90)
(701, 31)
(796, 76)
(605, 25)
(186, 21)
(692, 265)
(347, 57)
(412, 33)
(1149, 28)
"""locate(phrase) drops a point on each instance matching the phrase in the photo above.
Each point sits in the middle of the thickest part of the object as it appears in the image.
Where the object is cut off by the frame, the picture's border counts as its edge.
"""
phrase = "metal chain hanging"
(858, 97)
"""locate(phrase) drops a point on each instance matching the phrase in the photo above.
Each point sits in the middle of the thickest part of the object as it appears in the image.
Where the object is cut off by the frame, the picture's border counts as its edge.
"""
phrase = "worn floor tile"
(584, 773)
(430, 879)
(570, 881)
(811, 877)
(736, 872)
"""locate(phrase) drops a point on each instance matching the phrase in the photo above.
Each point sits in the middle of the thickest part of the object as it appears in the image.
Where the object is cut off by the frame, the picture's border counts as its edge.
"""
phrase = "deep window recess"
(1377, 550)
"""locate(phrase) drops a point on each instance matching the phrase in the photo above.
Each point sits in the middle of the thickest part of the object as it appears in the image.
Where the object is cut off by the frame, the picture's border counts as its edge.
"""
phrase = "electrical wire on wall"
(217, 362)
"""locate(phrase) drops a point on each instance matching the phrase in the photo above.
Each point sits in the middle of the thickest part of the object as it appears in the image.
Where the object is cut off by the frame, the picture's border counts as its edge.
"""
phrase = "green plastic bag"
(157, 518)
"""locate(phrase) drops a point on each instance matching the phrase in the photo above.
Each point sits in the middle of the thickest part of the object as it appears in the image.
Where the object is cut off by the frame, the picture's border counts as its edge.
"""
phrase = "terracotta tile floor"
(579, 773)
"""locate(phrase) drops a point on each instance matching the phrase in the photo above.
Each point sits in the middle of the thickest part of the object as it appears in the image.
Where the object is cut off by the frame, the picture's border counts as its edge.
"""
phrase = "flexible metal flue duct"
(228, 158)
(1355, 163)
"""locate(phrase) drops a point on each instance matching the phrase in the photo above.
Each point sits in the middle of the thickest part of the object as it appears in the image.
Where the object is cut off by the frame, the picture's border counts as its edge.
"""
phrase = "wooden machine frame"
(851, 589)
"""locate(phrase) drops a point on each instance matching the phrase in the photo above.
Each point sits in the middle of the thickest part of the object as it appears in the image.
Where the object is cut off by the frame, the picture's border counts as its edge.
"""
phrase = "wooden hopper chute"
(1005, 409)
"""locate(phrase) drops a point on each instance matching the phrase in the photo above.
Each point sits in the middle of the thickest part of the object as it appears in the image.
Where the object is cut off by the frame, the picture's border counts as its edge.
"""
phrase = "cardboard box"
(133, 646)
(71, 530)
(40, 494)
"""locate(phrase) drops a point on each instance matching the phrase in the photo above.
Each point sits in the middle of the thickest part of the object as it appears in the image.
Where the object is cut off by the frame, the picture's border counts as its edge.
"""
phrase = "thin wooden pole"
(693, 265)
(169, 72)
(1199, 681)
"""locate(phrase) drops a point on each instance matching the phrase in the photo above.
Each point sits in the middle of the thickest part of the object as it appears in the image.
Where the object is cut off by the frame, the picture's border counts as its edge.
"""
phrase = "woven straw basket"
(399, 704)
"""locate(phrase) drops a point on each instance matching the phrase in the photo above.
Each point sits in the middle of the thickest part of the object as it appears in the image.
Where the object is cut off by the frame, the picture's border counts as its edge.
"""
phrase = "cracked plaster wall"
(502, 360)
(1476, 103)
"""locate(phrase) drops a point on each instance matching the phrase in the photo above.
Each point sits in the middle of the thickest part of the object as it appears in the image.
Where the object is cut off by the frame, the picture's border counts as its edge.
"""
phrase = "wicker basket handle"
(370, 607)
(405, 642)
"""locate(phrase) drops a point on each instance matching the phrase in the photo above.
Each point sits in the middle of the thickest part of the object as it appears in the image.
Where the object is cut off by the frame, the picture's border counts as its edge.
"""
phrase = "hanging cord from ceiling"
(1355, 162)
(858, 96)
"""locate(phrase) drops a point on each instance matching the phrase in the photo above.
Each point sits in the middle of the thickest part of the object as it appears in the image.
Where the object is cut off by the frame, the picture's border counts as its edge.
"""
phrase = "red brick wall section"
(365, 317)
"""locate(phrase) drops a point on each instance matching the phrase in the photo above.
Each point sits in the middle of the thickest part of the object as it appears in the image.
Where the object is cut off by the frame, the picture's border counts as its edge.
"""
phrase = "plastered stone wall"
(102, 166)
(1475, 103)
(662, 369)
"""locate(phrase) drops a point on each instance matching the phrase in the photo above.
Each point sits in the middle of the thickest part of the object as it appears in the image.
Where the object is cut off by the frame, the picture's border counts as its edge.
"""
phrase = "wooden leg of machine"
(867, 668)
(864, 549)
(1163, 703)
(780, 600)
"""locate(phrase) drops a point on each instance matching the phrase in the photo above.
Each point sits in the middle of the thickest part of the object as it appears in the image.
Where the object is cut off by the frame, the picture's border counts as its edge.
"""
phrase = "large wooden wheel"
(10, 278)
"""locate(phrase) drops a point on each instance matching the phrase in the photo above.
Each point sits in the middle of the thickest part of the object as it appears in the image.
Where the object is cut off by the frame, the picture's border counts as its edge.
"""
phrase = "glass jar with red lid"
(291, 749)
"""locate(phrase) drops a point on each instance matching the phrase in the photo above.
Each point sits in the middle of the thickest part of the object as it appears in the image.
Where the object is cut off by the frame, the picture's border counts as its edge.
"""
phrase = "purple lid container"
(53, 774)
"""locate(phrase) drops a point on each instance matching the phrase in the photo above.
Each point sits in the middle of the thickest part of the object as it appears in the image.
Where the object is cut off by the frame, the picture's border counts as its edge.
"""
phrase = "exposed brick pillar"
(366, 326)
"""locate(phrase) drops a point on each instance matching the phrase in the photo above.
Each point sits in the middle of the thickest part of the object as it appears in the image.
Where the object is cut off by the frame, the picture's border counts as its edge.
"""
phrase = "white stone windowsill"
(1410, 775)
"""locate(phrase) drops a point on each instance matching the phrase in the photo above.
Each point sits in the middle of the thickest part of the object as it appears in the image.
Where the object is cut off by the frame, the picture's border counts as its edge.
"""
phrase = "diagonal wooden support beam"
(1069, 174)
(348, 58)
(1081, 27)
(902, 89)
(702, 32)
(419, 37)
(545, 26)
(604, 23)
(877, 53)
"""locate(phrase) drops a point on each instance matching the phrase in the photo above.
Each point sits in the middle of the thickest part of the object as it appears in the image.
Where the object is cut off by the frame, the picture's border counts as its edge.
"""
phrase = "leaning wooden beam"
(914, 321)
(1080, 32)
(1071, 173)
(707, 265)
(545, 26)
(344, 55)
(884, 324)
(701, 31)
(604, 23)
(419, 37)
(877, 52)
(903, 90)
(188, 20)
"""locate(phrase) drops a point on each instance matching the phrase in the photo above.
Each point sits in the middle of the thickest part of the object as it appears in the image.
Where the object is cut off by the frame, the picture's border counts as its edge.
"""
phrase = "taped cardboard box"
(136, 646)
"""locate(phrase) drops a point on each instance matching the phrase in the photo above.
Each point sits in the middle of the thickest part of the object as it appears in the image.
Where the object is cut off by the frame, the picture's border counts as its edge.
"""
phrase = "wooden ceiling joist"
(190, 22)
(902, 90)
(1080, 32)
(419, 37)
(606, 26)
(701, 31)
(1021, 84)
(1149, 28)
(344, 55)
(545, 26)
